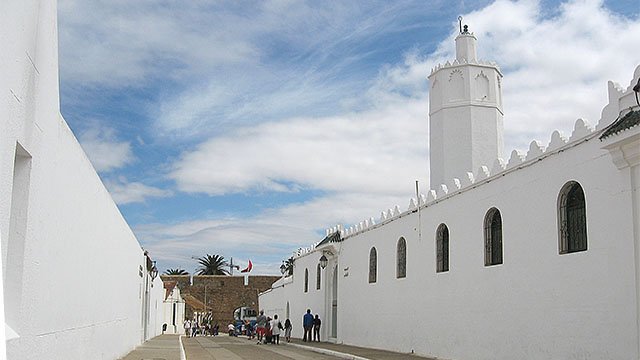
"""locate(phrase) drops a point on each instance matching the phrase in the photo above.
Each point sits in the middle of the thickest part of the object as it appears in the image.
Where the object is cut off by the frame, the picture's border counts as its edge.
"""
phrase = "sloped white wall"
(70, 261)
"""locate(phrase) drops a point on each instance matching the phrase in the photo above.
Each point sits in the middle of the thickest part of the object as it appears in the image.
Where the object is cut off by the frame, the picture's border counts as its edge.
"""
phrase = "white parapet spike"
(367, 223)
(467, 180)
(396, 210)
(423, 199)
(454, 185)
(447, 64)
(498, 166)
(442, 190)
(535, 150)
(343, 233)
(431, 196)
(389, 213)
(361, 225)
(412, 204)
(383, 216)
(516, 159)
(581, 129)
(455, 62)
(557, 141)
(483, 173)
(372, 221)
(327, 231)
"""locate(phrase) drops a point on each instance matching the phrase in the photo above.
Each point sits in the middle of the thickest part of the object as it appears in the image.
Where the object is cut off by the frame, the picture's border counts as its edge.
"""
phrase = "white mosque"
(532, 257)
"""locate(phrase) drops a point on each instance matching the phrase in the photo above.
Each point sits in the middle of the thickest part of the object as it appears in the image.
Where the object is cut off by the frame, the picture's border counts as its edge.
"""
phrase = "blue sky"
(247, 128)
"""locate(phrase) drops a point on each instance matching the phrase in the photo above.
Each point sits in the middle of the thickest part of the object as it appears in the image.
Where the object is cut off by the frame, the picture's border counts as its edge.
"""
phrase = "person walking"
(316, 328)
(187, 327)
(287, 330)
(307, 324)
(261, 322)
(194, 328)
(277, 326)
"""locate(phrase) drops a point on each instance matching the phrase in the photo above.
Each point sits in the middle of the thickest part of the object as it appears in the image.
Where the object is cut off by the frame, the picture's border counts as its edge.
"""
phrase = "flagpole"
(419, 215)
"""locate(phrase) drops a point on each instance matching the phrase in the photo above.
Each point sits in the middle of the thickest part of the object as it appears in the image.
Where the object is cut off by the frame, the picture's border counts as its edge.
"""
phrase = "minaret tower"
(465, 113)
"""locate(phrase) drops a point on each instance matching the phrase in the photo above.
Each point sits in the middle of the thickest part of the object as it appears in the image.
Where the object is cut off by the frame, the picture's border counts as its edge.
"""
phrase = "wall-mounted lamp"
(154, 271)
(323, 261)
(283, 268)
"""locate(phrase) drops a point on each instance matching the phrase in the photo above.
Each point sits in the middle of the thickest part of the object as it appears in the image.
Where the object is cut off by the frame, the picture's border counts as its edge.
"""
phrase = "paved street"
(167, 347)
(239, 348)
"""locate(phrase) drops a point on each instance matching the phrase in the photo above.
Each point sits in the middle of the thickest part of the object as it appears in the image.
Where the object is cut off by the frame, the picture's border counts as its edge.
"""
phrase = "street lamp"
(323, 261)
(154, 271)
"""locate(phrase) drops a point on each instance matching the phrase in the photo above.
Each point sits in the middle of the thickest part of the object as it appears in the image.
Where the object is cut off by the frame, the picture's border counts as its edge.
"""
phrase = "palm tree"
(176, 271)
(212, 265)
(288, 266)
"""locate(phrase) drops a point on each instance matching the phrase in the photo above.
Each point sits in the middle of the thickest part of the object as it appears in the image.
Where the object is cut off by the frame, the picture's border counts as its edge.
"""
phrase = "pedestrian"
(216, 328)
(187, 327)
(275, 329)
(194, 328)
(261, 321)
(307, 324)
(316, 328)
(287, 330)
(231, 328)
(268, 332)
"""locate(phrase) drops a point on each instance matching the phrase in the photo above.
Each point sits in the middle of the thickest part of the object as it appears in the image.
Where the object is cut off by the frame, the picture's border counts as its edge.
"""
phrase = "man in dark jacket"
(307, 324)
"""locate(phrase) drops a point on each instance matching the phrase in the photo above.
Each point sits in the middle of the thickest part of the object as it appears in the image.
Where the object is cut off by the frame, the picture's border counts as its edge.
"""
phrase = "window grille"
(318, 277)
(401, 269)
(306, 280)
(493, 238)
(442, 248)
(373, 265)
(572, 219)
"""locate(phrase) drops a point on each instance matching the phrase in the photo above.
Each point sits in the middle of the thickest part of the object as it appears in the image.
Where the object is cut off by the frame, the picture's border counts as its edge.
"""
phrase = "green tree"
(176, 271)
(212, 265)
(288, 266)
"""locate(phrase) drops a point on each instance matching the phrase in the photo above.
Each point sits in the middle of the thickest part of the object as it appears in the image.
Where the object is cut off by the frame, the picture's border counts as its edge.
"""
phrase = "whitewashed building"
(173, 309)
(534, 256)
(76, 283)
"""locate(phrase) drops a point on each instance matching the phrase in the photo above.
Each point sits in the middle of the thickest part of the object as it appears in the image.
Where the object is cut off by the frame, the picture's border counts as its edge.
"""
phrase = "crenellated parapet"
(455, 63)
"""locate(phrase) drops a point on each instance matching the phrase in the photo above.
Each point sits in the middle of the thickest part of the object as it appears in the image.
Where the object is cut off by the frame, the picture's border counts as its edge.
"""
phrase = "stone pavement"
(355, 352)
(167, 347)
(162, 347)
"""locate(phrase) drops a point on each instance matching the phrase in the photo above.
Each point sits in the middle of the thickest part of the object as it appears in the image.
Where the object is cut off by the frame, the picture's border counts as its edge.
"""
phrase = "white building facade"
(77, 284)
(534, 257)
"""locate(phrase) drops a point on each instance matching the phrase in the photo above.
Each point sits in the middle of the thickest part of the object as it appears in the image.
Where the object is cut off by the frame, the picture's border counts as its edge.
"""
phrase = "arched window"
(572, 219)
(373, 265)
(306, 280)
(492, 237)
(442, 248)
(318, 277)
(401, 268)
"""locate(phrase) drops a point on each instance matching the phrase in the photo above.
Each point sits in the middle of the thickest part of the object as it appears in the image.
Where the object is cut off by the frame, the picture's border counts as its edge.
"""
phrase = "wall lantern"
(283, 268)
(154, 271)
(323, 261)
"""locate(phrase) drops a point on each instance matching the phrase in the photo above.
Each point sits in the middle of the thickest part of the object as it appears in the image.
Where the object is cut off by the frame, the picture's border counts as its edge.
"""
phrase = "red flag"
(248, 268)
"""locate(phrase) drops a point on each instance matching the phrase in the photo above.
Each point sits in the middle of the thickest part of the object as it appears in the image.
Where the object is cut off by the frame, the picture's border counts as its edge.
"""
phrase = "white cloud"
(124, 192)
(266, 238)
(375, 152)
(104, 150)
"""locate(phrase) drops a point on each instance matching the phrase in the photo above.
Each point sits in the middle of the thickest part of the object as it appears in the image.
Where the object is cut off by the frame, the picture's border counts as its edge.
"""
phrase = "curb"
(328, 352)
(183, 355)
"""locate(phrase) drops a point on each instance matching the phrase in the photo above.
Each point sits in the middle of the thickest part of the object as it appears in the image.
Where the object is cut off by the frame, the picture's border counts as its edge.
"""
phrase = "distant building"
(214, 298)
(532, 257)
(173, 309)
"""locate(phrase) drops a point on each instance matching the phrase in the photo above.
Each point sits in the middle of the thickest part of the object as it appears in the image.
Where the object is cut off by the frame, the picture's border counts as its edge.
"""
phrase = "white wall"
(70, 261)
(537, 305)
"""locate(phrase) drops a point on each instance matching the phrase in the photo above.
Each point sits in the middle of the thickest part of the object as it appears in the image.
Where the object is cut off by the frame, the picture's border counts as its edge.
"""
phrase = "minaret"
(465, 114)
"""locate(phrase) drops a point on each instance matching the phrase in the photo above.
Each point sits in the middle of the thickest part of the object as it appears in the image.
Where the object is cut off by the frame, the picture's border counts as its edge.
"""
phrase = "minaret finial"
(460, 23)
